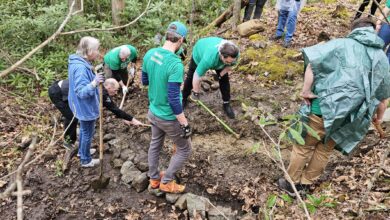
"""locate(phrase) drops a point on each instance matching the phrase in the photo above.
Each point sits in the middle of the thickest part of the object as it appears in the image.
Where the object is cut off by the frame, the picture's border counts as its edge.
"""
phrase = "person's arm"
(110, 105)
(307, 93)
(145, 79)
(226, 70)
(83, 87)
(174, 102)
(386, 11)
(201, 69)
(380, 111)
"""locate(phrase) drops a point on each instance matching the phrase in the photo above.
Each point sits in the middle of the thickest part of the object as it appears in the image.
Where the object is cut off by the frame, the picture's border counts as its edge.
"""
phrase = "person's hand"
(378, 26)
(133, 122)
(194, 96)
(186, 131)
(375, 120)
(125, 90)
(99, 78)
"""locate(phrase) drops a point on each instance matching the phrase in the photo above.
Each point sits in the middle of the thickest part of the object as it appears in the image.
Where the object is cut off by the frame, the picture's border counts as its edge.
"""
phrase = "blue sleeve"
(83, 86)
(145, 80)
(174, 97)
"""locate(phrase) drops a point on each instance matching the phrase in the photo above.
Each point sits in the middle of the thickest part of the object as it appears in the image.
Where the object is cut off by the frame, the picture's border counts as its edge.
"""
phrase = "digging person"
(211, 53)
(162, 71)
(346, 87)
(58, 93)
(116, 63)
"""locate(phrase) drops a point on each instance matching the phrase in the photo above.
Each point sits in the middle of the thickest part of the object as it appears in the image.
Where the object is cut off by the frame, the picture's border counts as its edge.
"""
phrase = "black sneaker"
(286, 186)
(228, 110)
(275, 38)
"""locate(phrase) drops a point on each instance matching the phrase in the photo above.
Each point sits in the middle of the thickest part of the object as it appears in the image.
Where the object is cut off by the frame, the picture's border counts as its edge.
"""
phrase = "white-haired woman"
(83, 94)
(116, 63)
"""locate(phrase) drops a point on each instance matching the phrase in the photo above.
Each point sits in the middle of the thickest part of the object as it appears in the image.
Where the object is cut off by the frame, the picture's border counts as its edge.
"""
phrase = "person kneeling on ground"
(162, 71)
(343, 94)
(216, 54)
(116, 63)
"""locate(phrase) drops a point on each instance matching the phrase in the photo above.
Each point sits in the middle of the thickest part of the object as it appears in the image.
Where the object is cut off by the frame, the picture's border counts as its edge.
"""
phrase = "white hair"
(124, 52)
(87, 45)
(111, 82)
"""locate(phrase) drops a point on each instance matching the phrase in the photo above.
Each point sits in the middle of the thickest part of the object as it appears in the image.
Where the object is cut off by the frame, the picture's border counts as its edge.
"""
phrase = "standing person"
(58, 93)
(116, 63)
(163, 72)
(259, 4)
(364, 5)
(83, 94)
(383, 28)
(348, 91)
(216, 54)
(287, 19)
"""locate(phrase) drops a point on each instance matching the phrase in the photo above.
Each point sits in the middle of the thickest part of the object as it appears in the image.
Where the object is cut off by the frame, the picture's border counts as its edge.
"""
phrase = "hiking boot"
(275, 38)
(67, 146)
(155, 183)
(228, 110)
(286, 186)
(287, 44)
(172, 187)
(94, 162)
(91, 151)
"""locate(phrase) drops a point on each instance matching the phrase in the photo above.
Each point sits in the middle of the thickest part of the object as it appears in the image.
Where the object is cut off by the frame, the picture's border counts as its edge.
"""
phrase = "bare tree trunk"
(236, 13)
(117, 8)
(77, 6)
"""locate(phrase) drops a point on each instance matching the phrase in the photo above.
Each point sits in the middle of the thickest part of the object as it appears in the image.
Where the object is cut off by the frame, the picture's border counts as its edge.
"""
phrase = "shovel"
(127, 85)
(102, 181)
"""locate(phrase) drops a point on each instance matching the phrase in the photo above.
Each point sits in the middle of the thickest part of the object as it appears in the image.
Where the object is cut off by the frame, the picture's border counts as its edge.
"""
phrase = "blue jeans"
(289, 17)
(87, 130)
(384, 33)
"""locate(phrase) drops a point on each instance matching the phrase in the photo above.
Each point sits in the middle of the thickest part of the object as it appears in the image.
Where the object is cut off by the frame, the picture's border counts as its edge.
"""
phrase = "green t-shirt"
(114, 61)
(162, 67)
(315, 107)
(206, 56)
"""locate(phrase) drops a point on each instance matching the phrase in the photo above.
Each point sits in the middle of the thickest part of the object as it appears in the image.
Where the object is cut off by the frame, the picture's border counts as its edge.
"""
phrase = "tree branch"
(52, 37)
(112, 28)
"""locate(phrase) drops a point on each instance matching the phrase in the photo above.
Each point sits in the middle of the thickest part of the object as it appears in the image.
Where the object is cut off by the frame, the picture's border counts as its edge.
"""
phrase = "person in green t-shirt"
(211, 53)
(163, 71)
(116, 63)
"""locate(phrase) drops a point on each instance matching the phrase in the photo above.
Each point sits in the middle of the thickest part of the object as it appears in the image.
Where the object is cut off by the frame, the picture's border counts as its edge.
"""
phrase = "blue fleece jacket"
(83, 98)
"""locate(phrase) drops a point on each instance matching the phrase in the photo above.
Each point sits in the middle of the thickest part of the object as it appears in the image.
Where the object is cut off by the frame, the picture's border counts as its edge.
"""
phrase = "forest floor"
(226, 170)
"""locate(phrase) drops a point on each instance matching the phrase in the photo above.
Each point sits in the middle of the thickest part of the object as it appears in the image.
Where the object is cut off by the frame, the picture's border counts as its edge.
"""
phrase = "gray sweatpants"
(160, 128)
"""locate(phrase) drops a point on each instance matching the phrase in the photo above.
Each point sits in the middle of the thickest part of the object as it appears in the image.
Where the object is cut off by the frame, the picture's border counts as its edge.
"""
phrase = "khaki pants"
(314, 153)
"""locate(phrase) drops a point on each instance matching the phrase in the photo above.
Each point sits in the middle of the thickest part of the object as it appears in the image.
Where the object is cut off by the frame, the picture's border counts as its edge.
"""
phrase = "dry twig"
(109, 29)
(52, 37)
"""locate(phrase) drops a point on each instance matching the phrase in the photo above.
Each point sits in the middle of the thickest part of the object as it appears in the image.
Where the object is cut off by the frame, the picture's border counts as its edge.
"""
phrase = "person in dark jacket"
(364, 4)
(259, 4)
(58, 93)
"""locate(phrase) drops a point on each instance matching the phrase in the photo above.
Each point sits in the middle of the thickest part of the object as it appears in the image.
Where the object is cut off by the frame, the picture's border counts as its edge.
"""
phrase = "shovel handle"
(101, 122)
(127, 85)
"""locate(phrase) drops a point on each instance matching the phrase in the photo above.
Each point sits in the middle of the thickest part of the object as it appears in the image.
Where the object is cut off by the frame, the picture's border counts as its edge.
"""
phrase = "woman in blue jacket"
(83, 94)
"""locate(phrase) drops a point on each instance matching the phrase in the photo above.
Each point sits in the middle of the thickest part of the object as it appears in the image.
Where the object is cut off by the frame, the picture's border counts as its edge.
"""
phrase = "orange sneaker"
(172, 187)
(155, 183)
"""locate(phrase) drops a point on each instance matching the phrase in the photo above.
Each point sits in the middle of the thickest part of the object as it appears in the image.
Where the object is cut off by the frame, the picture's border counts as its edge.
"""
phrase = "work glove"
(186, 131)
(132, 72)
(125, 90)
(195, 96)
(99, 78)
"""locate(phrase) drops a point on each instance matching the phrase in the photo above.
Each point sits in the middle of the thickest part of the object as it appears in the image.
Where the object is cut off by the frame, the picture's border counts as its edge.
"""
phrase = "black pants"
(224, 84)
(363, 6)
(56, 98)
(258, 11)
(120, 75)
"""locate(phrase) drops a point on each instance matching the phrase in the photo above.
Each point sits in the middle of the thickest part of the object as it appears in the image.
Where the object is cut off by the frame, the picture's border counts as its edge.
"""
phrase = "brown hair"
(362, 22)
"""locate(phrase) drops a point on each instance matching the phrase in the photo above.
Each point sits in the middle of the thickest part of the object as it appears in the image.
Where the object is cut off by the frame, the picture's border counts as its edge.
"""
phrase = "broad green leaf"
(286, 198)
(296, 136)
(289, 117)
(312, 132)
(299, 127)
(271, 200)
(311, 198)
(311, 208)
(282, 135)
(330, 204)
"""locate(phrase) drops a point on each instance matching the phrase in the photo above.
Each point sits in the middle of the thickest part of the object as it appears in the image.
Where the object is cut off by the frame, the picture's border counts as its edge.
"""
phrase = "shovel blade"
(100, 183)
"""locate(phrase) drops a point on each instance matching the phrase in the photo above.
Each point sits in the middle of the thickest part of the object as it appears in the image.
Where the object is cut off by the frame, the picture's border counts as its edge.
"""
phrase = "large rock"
(117, 163)
(127, 154)
(181, 203)
(108, 137)
(197, 204)
(250, 27)
(129, 172)
(140, 183)
(141, 161)
(172, 197)
(215, 213)
(156, 192)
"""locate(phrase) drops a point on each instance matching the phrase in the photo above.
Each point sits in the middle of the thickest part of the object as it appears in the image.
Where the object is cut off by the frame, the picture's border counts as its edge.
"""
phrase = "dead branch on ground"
(51, 38)
(112, 28)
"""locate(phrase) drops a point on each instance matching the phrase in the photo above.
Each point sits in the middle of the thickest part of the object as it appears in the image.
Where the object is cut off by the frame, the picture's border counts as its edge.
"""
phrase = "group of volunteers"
(346, 87)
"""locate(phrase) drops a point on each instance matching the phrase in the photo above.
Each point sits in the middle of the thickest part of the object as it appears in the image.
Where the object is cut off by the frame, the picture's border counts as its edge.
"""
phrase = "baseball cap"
(177, 28)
